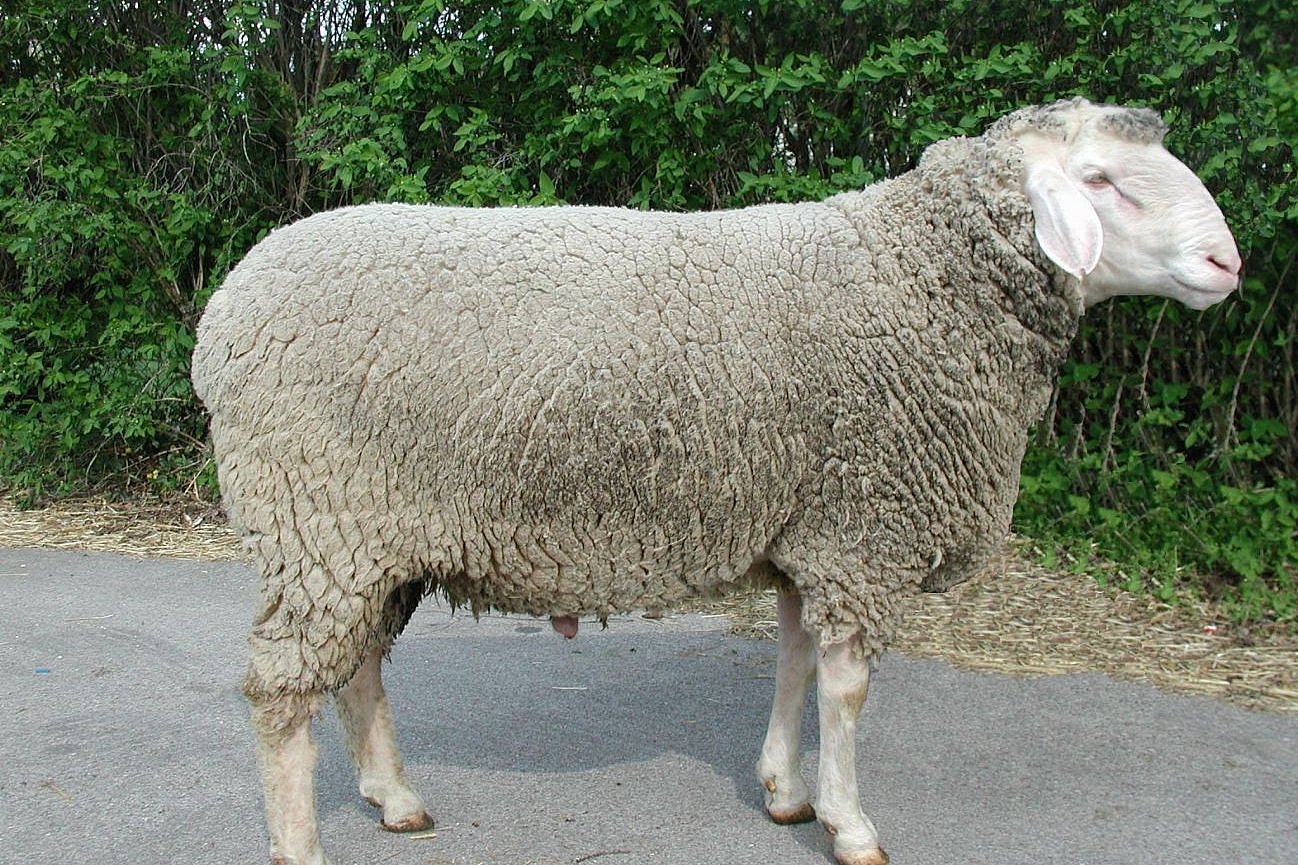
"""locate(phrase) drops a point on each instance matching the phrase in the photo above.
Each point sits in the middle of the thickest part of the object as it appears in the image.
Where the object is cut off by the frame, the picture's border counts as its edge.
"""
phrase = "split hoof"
(415, 823)
(803, 813)
(281, 859)
(875, 856)
(867, 856)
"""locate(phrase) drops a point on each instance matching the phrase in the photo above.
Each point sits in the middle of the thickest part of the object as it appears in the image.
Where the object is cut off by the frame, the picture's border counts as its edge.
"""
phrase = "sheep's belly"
(596, 571)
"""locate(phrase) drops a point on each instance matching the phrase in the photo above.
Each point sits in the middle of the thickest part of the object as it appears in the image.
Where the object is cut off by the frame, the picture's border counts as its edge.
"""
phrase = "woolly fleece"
(583, 411)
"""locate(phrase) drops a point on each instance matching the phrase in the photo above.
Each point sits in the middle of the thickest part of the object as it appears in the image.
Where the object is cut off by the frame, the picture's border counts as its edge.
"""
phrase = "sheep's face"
(1119, 212)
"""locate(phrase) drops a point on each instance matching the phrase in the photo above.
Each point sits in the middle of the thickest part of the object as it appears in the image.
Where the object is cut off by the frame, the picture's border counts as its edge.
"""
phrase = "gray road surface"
(123, 739)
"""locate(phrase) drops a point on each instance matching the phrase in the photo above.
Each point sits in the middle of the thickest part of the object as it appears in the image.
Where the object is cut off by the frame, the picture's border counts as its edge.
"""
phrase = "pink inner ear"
(1068, 228)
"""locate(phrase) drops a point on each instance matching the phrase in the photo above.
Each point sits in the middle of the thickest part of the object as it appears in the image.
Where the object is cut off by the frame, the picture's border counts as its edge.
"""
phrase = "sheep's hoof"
(280, 859)
(803, 813)
(875, 856)
(415, 823)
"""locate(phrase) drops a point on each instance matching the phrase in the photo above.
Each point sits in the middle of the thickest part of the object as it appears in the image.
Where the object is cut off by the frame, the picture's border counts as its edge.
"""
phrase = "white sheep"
(578, 411)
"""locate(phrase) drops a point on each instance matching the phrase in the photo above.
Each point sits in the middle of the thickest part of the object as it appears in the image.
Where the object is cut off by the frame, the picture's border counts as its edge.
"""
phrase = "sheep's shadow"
(602, 699)
(509, 697)
(649, 722)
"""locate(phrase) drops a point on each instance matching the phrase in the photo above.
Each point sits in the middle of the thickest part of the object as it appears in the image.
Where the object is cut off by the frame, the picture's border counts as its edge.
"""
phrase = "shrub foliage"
(147, 146)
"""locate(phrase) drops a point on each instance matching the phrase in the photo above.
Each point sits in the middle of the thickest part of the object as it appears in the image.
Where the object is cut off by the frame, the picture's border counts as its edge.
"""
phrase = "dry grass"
(1016, 618)
(186, 530)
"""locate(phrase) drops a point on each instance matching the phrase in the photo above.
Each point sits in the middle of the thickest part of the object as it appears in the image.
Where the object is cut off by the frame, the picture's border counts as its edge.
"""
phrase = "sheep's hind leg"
(287, 757)
(787, 796)
(842, 679)
(366, 718)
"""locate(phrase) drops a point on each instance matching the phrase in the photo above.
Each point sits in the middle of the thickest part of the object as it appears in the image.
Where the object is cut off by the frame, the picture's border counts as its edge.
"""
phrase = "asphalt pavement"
(124, 739)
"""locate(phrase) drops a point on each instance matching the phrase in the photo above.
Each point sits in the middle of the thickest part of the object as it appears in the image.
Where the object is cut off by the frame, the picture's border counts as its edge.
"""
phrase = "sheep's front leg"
(287, 756)
(787, 797)
(366, 717)
(843, 677)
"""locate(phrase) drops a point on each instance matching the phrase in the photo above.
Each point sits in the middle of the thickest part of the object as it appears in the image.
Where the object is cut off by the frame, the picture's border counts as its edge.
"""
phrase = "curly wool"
(561, 411)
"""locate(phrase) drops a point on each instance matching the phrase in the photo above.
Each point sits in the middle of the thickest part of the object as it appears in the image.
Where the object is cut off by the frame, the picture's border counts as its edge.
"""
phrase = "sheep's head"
(1115, 209)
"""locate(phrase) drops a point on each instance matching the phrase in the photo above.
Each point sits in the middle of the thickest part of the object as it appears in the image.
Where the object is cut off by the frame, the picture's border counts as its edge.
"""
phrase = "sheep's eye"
(1097, 179)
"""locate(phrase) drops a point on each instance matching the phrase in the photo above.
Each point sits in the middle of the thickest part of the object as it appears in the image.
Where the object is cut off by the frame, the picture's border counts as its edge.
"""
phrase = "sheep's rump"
(556, 410)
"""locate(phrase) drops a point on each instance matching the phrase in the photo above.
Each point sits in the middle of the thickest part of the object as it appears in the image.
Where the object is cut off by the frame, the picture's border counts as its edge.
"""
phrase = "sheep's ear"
(1068, 228)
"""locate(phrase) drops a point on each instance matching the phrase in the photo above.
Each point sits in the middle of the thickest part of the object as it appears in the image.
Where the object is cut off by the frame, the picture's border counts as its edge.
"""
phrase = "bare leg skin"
(787, 796)
(287, 757)
(366, 718)
(843, 677)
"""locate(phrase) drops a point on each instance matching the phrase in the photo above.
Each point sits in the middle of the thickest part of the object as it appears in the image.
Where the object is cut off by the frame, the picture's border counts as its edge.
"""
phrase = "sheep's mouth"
(1201, 296)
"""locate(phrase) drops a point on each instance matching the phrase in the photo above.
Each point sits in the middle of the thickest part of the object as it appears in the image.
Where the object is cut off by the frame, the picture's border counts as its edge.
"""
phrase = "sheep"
(573, 412)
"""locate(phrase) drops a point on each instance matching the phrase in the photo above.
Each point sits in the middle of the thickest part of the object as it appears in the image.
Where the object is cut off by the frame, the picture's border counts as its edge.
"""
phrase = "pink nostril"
(1229, 263)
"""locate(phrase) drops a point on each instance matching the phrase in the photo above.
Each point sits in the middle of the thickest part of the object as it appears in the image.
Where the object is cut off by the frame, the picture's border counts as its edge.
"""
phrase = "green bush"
(148, 146)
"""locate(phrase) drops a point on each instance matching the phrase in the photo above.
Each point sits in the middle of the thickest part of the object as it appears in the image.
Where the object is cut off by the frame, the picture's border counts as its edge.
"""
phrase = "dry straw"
(1016, 618)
